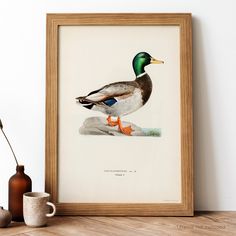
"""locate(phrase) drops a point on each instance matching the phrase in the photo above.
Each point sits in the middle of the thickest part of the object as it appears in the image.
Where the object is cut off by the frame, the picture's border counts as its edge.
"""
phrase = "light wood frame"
(185, 208)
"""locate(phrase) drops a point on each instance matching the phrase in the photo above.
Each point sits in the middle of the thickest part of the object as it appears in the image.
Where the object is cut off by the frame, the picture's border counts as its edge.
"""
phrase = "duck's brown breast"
(145, 84)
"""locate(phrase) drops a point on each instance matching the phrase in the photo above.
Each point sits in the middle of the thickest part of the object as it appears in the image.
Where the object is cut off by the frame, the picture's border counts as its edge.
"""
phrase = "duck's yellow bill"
(155, 61)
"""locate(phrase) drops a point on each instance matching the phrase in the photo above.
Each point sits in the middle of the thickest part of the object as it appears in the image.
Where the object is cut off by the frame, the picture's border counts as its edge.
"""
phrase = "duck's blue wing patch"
(109, 102)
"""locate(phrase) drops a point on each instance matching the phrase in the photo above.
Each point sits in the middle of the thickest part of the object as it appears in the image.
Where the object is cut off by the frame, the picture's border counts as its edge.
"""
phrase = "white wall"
(22, 88)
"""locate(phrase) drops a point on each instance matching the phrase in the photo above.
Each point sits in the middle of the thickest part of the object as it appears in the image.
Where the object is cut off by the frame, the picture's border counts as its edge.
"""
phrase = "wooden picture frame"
(183, 21)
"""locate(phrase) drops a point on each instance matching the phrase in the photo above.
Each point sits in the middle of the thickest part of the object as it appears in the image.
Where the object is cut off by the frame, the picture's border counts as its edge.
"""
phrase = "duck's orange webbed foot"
(125, 130)
(110, 122)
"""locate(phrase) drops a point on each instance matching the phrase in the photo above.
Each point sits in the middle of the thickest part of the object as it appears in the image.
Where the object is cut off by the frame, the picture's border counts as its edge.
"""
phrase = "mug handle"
(54, 209)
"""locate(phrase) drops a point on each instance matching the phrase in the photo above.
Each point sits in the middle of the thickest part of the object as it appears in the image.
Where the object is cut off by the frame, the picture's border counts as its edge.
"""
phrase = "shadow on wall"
(204, 159)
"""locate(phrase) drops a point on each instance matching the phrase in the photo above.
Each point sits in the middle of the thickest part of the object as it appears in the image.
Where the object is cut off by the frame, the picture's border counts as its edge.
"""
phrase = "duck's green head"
(141, 60)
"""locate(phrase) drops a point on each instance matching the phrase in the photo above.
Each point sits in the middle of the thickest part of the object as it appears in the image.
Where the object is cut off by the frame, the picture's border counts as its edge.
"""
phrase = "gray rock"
(99, 126)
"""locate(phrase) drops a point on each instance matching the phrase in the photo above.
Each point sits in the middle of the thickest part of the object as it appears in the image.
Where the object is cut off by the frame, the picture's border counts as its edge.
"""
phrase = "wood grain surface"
(203, 223)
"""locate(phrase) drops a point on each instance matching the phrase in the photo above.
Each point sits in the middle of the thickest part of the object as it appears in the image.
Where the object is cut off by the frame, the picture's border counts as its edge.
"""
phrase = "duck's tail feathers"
(85, 102)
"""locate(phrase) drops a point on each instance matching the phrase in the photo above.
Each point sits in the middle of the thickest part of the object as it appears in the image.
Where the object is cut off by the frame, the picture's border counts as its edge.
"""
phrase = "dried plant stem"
(10, 147)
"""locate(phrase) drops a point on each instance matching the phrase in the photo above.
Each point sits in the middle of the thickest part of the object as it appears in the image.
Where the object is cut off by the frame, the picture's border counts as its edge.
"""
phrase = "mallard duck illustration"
(122, 98)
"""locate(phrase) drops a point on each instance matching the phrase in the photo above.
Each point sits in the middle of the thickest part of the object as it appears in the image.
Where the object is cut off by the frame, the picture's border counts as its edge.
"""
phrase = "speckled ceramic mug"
(36, 208)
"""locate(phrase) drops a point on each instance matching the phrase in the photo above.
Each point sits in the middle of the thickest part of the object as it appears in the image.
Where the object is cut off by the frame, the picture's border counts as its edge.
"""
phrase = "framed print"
(119, 114)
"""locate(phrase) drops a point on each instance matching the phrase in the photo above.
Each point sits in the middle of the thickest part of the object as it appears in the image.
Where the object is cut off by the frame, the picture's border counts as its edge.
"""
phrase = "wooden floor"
(203, 223)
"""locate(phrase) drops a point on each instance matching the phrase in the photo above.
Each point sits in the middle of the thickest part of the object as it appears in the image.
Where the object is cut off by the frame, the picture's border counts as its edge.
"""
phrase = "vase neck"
(20, 168)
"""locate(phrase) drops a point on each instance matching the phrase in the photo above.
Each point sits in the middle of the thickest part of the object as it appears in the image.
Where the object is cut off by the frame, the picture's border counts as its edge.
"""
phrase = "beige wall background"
(22, 88)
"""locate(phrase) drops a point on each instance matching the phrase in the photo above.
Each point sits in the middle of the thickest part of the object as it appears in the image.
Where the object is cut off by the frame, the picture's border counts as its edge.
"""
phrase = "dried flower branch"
(1, 127)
